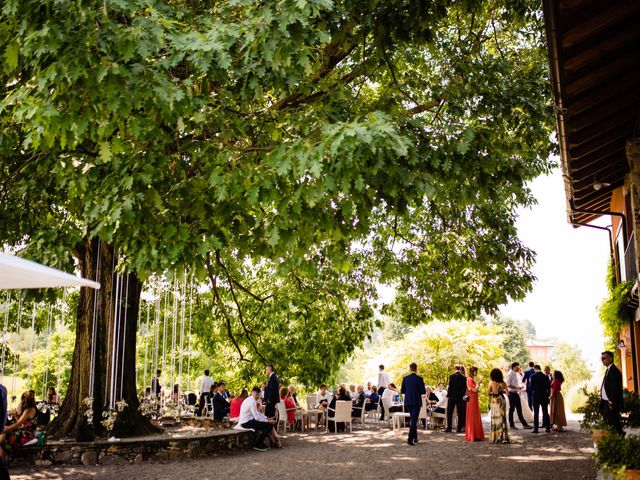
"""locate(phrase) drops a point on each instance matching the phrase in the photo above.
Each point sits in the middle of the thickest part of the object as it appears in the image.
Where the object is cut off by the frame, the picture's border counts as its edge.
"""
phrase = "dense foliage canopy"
(301, 149)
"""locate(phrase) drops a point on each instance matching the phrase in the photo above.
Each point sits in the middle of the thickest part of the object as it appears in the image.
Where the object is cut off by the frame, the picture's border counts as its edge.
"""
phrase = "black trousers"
(270, 409)
(4, 473)
(458, 404)
(380, 392)
(514, 404)
(414, 413)
(611, 415)
(537, 406)
(263, 427)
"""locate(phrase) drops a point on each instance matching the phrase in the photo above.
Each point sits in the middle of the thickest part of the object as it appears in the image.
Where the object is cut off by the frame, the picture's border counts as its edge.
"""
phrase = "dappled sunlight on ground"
(376, 452)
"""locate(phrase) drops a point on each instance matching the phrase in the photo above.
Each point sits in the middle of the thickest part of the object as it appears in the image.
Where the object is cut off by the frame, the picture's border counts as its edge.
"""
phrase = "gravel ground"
(373, 453)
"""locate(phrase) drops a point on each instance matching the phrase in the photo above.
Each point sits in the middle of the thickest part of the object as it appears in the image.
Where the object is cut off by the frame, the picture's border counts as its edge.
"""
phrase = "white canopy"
(17, 272)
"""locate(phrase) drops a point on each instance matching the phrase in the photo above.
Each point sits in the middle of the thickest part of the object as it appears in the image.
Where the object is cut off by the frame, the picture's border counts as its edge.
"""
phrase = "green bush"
(632, 409)
(592, 418)
(615, 452)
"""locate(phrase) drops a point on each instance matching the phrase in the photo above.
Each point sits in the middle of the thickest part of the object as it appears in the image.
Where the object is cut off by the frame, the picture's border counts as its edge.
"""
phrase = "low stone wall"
(161, 448)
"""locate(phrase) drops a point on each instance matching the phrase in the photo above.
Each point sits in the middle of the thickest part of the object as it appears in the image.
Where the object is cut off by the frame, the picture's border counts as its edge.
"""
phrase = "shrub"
(616, 452)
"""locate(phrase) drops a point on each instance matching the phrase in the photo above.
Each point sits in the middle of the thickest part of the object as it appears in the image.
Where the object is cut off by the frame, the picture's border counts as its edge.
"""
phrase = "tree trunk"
(96, 256)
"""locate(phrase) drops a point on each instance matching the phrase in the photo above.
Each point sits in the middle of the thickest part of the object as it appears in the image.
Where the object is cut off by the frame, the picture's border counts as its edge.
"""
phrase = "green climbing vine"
(614, 311)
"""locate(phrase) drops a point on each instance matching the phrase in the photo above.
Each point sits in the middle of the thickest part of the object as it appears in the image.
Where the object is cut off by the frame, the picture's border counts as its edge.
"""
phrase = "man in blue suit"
(527, 381)
(413, 388)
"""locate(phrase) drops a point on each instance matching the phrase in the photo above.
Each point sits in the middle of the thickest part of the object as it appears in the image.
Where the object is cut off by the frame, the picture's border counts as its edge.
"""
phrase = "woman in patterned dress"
(24, 430)
(497, 388)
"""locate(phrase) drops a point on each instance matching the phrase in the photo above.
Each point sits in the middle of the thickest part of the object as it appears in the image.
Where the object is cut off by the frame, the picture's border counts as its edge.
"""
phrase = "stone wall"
(162, 448)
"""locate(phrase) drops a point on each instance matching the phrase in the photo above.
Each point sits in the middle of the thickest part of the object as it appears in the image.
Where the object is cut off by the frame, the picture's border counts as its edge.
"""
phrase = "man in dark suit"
(611, 402)
(271, 392)
(455, 393)
(525, 379)
(541, 388)
(413, 388)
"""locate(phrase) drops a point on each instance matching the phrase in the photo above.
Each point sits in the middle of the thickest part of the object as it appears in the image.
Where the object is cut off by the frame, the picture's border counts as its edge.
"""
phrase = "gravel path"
(372, 453)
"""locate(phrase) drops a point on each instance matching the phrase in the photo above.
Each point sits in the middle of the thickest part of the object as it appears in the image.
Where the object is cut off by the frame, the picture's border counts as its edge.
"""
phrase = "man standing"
(205, 388)
(156, 386)
(250, 417)
(271, 392)
(455, 393)
(383, 383)
(514, 384)
(611, 402)
(525, 379)
(413, 388)
(541, 387)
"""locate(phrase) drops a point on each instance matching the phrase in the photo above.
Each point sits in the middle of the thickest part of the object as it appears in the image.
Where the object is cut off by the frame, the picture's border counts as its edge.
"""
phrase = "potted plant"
(592, 420)
(619, 456)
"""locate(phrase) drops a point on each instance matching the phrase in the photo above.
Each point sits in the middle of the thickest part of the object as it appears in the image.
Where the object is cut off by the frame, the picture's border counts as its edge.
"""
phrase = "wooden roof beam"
(609, 92)
(610, 117)
(593, 54)
(606, 73)
(616, 139)
(604, 175)
(612, 15)
(596, 195)
(606, 156)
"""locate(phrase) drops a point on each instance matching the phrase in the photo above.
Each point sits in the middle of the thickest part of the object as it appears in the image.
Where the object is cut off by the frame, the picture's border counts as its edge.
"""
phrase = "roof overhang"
(594, 57)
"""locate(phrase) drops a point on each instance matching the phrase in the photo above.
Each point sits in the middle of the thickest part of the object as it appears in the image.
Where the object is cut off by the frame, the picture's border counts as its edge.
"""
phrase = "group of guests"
(539, 390)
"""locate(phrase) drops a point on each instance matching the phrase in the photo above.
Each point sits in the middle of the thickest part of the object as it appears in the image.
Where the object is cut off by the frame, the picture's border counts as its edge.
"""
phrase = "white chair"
(363, 413)
(387, 404)
(342, 414)
(282, 416)
(424, 412)
(312, 401)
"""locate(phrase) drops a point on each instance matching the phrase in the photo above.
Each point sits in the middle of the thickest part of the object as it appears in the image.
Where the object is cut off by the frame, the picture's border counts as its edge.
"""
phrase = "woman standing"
(497, 388)
(558, 417)
(473, 427)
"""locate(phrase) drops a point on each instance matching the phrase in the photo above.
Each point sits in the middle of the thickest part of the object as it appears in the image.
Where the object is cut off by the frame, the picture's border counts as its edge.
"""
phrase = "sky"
(570, 267)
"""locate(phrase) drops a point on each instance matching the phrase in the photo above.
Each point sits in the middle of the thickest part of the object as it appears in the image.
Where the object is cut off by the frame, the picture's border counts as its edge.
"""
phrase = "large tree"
(171, 134)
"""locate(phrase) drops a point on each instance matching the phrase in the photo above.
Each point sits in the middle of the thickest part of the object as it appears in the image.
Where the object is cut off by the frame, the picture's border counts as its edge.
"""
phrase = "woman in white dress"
(524, 401)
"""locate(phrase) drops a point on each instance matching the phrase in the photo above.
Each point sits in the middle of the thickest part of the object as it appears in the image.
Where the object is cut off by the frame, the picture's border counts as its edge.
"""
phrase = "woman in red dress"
(289, 405)
(473, 427)
(236, 403)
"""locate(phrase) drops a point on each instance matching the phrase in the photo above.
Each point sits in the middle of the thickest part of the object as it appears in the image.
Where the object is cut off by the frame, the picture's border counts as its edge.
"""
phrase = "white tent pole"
(94, 325)
(5, 336)
(189, 336)
(124, 337)
(46, 354)
(33, 334)
(63, 310)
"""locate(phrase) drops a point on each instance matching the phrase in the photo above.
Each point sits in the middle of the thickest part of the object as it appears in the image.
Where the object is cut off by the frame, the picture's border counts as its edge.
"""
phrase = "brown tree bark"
(97, 261)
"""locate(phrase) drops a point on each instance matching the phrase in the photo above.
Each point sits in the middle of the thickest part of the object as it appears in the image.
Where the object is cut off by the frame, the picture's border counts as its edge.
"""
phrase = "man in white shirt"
(323, 397)
(514, 385)
(250, 417)
(367, 392)
(205, 388)
(440, 392)
(383, 379)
